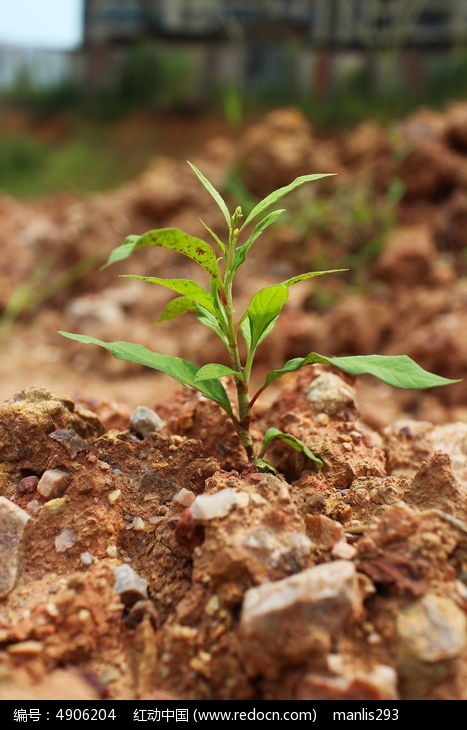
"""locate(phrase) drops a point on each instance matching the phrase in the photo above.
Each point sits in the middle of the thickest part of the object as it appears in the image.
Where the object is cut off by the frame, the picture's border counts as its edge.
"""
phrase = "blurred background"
(102, 101)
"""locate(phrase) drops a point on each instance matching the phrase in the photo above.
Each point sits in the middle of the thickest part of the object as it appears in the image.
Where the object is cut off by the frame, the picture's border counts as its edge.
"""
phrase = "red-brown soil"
(345, 584)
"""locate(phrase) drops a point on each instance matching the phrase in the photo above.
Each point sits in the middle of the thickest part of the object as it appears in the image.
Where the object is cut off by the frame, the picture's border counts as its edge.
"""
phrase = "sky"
(41, 23)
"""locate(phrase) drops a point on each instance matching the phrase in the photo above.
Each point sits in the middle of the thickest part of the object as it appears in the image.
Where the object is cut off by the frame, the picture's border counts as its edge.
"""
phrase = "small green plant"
(214, 308)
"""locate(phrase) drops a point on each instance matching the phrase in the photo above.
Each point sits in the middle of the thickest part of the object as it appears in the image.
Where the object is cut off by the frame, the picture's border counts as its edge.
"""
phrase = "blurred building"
(332, 23)
(263, 44)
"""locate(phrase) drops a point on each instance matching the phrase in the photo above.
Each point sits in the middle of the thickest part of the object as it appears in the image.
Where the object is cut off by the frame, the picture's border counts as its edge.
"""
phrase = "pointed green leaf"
(215, 370)
(292, 441)
(263, 310)
(397, 370)
(242, 251)
(174, 240)
(310, 275)
(176, 307)
(186, 287)
(179, 369)
(265, 466)
(213, 235)
(211, 321)
(277, 194)
(245, 329)
(212, 192)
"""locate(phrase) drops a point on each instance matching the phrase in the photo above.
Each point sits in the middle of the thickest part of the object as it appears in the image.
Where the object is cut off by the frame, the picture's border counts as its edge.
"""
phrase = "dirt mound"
(153, 569)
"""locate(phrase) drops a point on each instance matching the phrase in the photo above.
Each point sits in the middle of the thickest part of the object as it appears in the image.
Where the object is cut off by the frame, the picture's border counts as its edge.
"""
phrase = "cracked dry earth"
(150, 561)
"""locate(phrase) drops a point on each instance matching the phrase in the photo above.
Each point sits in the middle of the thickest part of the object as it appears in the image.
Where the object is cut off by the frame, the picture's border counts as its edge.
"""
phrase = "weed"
(214, 308)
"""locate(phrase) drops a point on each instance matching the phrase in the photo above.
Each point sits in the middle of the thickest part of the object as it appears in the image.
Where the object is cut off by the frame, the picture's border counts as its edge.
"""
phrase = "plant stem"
(242, 424)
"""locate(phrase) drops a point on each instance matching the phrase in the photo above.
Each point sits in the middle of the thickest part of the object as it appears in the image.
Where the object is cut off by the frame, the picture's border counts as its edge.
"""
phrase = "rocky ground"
(141, 556)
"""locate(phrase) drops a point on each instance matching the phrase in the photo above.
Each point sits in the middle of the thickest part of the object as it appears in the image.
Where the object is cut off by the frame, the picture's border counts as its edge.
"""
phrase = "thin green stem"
(242, 424)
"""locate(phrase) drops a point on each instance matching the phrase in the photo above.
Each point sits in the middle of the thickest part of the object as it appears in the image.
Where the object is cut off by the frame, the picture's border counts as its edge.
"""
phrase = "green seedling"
(214, 308)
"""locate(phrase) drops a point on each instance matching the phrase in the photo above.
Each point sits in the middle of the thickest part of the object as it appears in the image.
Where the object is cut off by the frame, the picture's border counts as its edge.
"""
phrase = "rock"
(54, 506)
(184, 497)
(64, 540)
(160, 190)
(129, 585)
(331, 394)
(145, 421)
(435, 486)
(275, 151)
(53, 483)
(27, 485)
(432, 630)
(13, 521)
(72, 442)
(324, 532)
(289, 620)
(343, 550)
(87, 559)
(432, 635)
(408, 256)
(380, 683)
(213, 506)
(27, 419)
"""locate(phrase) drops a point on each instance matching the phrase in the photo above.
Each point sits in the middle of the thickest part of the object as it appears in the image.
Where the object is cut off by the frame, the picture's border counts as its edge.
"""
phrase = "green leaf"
(397, 370)
(214, 235)
(309, 275)
(215, 370)
(182, 370)
(176, 307)
(277, 194)
(265, 466)
(263, 310)
(212, 192)
(174, 240)
(242, 251)
(210, 320)
(245, 329)
(292, 441)
(186, 287)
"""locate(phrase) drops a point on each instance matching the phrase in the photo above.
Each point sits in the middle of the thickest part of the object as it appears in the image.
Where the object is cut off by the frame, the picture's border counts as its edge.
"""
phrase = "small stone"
(114, 495)
(323, 531)
(72, 442)
(13, 521)
(53, 483)
(55, 506)
(284, 494)
(331, 395)
(87, 559)
(27, 485)
(138, 524)
(34, 506)
(84, 614)
(129, 585)
(145, 421)
(343, 550)
(26, 648)
(284, 621)
(185, 497)
(380, 683)
(431, 630)
(111, 551)
(213, 605)
(64, 540)
(213, 506)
